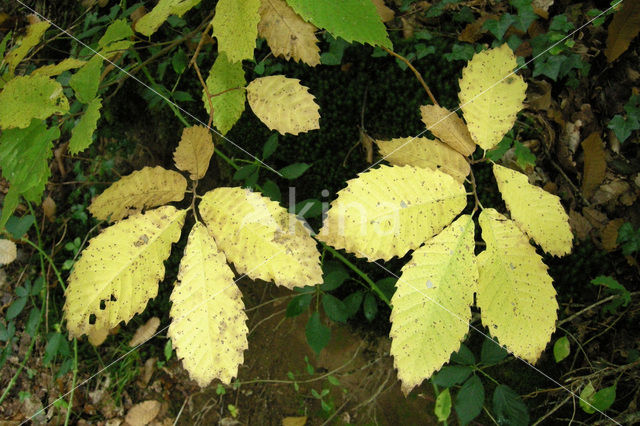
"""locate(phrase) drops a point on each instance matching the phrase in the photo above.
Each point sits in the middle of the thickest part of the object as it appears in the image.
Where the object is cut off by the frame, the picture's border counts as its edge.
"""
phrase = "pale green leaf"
(86, 80)
(25, 98)
(227, 107)
(82, 133)
(352, 20)
(24, 158)
(432, 303)
(116, 31)
(35, 32)
(235, 26)
(150, 22)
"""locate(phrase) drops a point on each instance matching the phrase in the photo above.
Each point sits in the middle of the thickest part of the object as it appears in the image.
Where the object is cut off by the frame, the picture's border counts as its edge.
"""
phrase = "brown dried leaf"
(49, 208)
(539, 95)
(385, 13)
(97, 336)
(145, 332)
(595, 217)
(143, 413)
(580, 226)
(595, 164)
(610, 234)
(8, 252)
(194, 151)
(624, 27)
(294, 421)
(448, 127)
(287, 34)
(610, 191)
(474, 31)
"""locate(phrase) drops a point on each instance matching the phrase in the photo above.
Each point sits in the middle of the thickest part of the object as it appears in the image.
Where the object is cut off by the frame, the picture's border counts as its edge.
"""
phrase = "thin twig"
(415, 71)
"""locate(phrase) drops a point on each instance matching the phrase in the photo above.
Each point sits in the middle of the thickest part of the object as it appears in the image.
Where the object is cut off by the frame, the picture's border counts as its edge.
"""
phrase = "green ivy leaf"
(56, 345)
(86, 80)
(524, 157)
(16, 307)
(82, 133)
(25, 98)
(317, 333)
(358, 19)
(561, 349)
(592, 401)
(464, 356)
(334, 308)
(623, 127)
(298, 305)
(294, 171)
(499, 27)
(309, 208)
(509, 408)
(442, 409)
(118, 30)
(24, 158)
(629, 238)
(496, 153)
(352, 303)
(334, 279)
(492, 352)
(452, 375)
(244, 172)
(470, 400)
(270, 146)
(32, 323)
(370, 307)
(271, 190)
(387, 286)
(225, 75)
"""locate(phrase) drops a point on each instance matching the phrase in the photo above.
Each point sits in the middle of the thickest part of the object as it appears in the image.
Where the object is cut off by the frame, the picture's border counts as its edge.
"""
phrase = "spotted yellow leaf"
(208, 327)
(425, 152)
(388, 211)
(515, 292)
(539, 213)
(34, 33)
(194, 151)
(448, 127)
(432, 303)
(287, 34)
(261, 238)
(490, 95)
(145, 188)
(283, 104)
(120, 270)
(235, 26)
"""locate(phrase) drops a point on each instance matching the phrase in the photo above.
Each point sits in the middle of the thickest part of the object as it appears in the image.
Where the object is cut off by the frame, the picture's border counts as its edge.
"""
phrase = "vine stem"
(73, 381)
(415, 71)
(358, 271)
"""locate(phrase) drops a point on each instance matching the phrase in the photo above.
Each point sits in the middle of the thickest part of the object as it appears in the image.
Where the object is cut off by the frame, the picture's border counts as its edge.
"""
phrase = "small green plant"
(464, 378)
(624, 125)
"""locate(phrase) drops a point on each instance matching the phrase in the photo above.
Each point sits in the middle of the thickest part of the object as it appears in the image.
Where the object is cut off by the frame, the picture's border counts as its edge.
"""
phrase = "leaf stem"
(415, 71)
(73, 381)
(358, 271)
